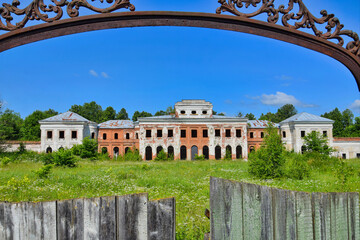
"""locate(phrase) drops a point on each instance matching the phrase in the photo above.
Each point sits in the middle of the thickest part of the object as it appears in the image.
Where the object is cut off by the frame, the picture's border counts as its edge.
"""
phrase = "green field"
(187, 181)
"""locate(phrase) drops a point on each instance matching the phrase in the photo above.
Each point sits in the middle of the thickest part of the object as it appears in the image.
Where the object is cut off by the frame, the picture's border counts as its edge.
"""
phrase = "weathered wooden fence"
(249, 211)
(118, 217)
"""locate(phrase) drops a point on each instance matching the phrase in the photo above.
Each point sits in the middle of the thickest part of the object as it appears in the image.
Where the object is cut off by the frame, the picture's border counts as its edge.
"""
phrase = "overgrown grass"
(187, 181)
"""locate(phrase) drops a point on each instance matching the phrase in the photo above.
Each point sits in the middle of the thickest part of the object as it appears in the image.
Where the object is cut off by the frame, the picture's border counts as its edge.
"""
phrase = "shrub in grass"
(4, 161)
(228, 155)
(296, 166)
(88, 149)
(22, 148)
(132, 155)
(316, 142)
(321, 161)
(199, 157)
(43, 172)
(268, 161)
(161, 156)
(344, 171)
(64, 158)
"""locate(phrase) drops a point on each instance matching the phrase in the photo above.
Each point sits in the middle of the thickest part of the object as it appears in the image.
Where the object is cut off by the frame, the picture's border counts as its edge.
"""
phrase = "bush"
(321, 161)
(199, 157)
(296, 166)
(43, 172)
(161, 156)
(131, 156)
(64, 158)
(22, 148)
(268, 161)
(316, 142)
(4, 161)
(88, 149)
(344, 171)
(228, 155)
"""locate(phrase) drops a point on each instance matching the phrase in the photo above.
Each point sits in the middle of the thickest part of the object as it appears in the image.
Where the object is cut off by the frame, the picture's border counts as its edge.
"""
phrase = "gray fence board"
(226, 210)
(70, 219)
(161, 219)
(353, 216)
(284, 214)
(132, 216)
(339, 215)
(251, 211)
(321, 208)
(266, 213)
(304, 222)
(2, 221)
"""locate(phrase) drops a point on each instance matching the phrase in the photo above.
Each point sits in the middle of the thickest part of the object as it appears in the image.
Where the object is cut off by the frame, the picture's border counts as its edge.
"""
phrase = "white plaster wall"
(351, 149)
(30, 147)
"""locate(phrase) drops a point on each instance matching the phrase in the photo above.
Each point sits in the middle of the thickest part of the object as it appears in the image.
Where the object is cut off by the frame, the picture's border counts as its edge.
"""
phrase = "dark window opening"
(238, 133)
(217, 132)
(206, 152)
(116, 136)
(193, 112)
(238, 152)
(137, 136)
(159, 133)
(49, 150)
(170, 133)
(73, 134)
(228, 133)
(262, 134)
(127, 135)
(204, 112)
(104, 150)
(148, 134)
(194, 133)
(183, 153)
(104, 136)
(252, 149)
(170, 152)
(49, 134)
(205, 133)
(182, 112)
(284, 134)
(93, 135)
(302, 134)
(148, 153)
(344, 156)
(158, 150)
(229, 151)
(325, 133)
(116, 152)
(251, 135)
(127, 149)
(194, 152)
(217, 152)
(358, 155)
(62, 134)
(183, 133)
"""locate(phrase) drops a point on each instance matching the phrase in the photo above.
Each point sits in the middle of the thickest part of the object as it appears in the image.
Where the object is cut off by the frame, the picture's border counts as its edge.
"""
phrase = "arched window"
(229, 150)
(217, 152)
(158, 150)
(148, 153)
(49, 150)
(170, 152)
(116, 152)
(127, 135)
(183, 153)
(104, 150)
(252, 149)
(61, 148)
(104, 136)
(238, 152)
(116, 136)
(206, 152)
(194, 152)
(127, 149)
(93, 135)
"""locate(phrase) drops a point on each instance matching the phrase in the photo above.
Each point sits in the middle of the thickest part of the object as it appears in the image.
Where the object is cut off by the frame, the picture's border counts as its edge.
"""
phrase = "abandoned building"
(192, 130)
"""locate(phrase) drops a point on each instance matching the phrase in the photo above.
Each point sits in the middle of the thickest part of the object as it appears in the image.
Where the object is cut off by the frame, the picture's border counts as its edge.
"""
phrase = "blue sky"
(151, 68)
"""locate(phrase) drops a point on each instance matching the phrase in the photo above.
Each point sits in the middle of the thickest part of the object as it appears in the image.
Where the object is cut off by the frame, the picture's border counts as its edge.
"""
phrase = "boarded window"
(217, 132)
(183, 133)
(127, 135)
(251, 135)
(302, 134)
(116, 136)
(104, 136)
(325, 133)
(228, 133)
(284, 134)
(205, 133)
(238, 133)
(74, 134)
(159, 133)
(148, 134)
(194, 133)
(62, 134)
(170, 133)
(49, 134)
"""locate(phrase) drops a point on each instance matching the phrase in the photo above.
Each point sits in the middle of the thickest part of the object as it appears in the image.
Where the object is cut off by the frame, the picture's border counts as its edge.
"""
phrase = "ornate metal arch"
(282, 23)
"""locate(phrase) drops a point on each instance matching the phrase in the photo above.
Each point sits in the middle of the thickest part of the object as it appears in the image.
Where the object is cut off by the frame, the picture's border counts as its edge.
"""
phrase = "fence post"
(70, 219)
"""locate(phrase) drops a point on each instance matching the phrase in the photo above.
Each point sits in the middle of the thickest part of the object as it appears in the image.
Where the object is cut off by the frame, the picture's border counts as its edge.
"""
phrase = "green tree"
(250, 116)
(108, 114)
(91, 111)
(10, 125)
(268, 161)
(316, 142)
(240, 114)
(354, 129)
(286, 111)
(138, 114)
(31, 128)
(170, 110)
(338, 126)
(122, 115)
(269, 117)
(2, 141)
(161, 113)
(347, 118)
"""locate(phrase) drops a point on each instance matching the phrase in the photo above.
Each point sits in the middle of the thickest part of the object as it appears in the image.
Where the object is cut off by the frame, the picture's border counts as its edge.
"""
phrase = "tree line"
(13, 127)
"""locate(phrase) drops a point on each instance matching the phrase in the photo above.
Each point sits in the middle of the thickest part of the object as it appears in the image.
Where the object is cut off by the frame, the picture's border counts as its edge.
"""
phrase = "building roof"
(307, 117)
(260, 124)
(117, 124)
(66, 117)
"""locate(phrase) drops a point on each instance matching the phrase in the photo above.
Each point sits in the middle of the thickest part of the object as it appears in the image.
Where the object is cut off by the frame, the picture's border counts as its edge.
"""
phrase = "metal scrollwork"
(303, 19)
(37, 10)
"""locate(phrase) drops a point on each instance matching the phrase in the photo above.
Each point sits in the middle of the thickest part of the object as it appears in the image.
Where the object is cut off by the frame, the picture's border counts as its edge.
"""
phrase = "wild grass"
(187, 181)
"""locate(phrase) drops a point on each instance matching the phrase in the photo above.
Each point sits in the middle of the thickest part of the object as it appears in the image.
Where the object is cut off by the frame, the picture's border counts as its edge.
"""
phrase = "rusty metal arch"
(54, 27)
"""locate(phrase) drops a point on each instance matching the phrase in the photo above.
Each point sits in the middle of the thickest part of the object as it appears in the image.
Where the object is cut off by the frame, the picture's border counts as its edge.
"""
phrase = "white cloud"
(93, 73)
(280, 99)
(105, 75)
(356, 105)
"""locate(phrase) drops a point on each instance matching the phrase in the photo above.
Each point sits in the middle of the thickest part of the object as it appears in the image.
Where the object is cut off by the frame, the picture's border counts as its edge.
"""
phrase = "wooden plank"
(304, 222)
(251, 211)
(322, 213)
(2, 221)
(226, 209)
(107, 218)
(91, 218)
(291, 215)
(266, 213)
(339, 216)
(70, 219)
(353, 216)
(132, 216)
(161, 219)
